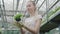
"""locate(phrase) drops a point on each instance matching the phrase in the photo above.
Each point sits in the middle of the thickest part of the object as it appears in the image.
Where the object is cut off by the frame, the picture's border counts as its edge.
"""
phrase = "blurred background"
(49, 9)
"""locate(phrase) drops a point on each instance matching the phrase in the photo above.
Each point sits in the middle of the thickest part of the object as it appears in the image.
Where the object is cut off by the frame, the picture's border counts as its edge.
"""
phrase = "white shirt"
(30, 22)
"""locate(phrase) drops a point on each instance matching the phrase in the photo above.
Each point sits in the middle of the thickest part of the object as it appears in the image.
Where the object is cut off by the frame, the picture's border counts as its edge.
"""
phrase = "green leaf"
(17, 17)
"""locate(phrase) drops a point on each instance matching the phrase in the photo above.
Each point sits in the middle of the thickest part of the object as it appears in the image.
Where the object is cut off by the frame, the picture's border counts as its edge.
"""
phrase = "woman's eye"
(29, 6)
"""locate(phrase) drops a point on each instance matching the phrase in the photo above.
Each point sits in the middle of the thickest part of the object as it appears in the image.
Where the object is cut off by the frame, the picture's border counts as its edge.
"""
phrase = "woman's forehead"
(29, 3)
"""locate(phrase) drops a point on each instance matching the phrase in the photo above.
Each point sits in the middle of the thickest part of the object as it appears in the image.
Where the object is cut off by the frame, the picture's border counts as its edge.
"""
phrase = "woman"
(31, 24)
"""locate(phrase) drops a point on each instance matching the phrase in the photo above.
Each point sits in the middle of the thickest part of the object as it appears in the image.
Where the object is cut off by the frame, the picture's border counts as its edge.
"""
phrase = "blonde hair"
(33, 2)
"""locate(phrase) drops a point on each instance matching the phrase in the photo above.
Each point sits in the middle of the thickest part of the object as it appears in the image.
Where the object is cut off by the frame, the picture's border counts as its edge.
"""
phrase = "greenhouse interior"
(49, 9)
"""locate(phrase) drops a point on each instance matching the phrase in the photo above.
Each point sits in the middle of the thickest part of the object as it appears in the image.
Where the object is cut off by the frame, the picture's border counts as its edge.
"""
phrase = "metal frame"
(4, 9)
(4, 18)
(52, 6)
(22, 4)
(17, 4)
(47, 8)
(37, 1)
(41, 5)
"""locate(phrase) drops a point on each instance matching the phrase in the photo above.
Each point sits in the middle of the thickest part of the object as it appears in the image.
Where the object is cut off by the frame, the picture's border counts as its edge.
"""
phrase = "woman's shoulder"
(34, 17)
(39, 16)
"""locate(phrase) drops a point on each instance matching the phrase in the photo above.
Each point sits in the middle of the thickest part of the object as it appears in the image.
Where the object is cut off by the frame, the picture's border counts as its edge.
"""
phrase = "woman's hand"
(19, 25)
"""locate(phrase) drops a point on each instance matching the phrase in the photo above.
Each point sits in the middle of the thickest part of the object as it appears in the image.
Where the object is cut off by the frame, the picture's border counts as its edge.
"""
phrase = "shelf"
(46, 26)
(53, 16)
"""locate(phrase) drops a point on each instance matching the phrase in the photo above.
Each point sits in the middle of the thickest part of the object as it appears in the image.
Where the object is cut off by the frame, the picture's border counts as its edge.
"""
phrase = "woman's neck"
(32, 14)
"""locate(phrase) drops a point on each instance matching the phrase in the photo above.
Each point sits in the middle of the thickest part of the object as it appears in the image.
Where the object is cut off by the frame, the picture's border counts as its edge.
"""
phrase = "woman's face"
(30, 7)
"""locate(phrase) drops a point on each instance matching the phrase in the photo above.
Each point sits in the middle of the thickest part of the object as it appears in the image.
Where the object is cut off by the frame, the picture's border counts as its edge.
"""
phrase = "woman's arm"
(22, 31)
(32, 30)
(35, 29)
(19, 26)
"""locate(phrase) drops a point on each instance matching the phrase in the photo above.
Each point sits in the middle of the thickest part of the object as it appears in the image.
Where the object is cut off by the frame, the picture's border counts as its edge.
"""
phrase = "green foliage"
(53, 11)
(17, 17)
